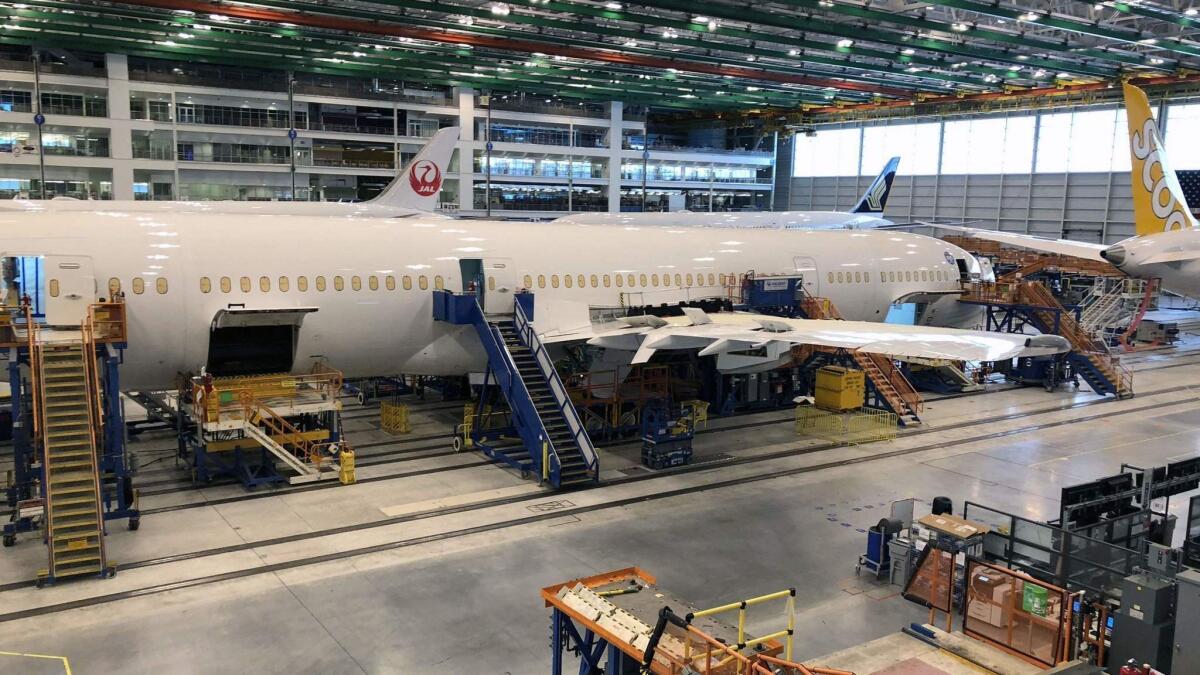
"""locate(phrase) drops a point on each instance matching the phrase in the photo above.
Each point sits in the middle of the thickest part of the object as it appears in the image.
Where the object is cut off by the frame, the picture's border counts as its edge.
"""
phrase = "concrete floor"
(405, 586)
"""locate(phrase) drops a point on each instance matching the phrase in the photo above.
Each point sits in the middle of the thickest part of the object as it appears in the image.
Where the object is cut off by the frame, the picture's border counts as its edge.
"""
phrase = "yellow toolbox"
(840, 388)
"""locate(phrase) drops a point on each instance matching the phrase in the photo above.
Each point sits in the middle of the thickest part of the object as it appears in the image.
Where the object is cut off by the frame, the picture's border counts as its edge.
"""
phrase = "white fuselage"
(238, 208)
(1179, 275)
(371, 280)
(802, 220)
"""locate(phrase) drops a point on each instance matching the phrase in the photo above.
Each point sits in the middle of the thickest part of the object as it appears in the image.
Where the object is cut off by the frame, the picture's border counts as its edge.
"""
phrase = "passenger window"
(438, 283)
(595, 281)
(340, 284)
(654, 280)
(620, 280)
(567, 281)
(264, 284)
(688, 279)
(541, 281)
(356, 282)
(284, 284)
(423, 283)
(389, 282)
(831, 277)
(205, 285)
(528, 281)
(54, 288)
(245, 284)
(226, 284)
(320, 283)
(712, 280)
(629, 278)
(407, 281)
(373, 282)
(924, 275)
(606, 281)
(491, 283)
(114, 287)
(857, 277)
(908, 276)
(582, 281)
(642, 279)
(160, 285)
(139, 286)
(678, 279)
(302, 284)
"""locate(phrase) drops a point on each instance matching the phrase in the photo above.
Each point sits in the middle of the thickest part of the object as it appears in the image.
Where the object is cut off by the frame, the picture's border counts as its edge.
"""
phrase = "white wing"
(1078, 249)
(757, 336)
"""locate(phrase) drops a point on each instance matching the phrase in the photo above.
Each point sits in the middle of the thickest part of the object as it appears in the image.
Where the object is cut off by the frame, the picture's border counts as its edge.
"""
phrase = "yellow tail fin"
(1158, 203)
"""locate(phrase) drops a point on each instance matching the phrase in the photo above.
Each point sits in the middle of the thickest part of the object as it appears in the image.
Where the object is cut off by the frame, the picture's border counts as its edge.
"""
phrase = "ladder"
(67, 388)
(888, 383)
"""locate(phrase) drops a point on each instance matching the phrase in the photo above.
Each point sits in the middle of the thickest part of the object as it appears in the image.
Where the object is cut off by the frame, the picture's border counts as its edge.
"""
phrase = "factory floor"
(432, 563)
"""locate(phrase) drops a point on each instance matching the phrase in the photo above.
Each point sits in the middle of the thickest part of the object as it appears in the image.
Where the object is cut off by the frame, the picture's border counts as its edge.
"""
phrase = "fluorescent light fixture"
(845, 43)
(614, 6)
(218, 17)
(793, 52)
(909, 51)
(1030, 16)
(465, 20)
(631, 43)
(1149, 41)
(752, 88)
(960, 27)
(499, 9)
(700, 19)
(1191, 11)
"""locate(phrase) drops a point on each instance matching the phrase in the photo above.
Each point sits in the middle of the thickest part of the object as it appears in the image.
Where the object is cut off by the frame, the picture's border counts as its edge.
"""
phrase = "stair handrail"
(907, 392)
(91, 383)
(562, 397)
(35, 378)
(274, 422)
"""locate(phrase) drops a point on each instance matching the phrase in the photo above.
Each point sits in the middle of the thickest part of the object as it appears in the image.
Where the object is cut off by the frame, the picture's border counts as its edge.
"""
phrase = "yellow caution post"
(393, 417)
(346, 466)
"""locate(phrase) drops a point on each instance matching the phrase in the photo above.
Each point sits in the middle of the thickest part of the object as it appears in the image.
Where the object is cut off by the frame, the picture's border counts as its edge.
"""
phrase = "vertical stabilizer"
(418, 185)
(1158, 203)
(875, 198)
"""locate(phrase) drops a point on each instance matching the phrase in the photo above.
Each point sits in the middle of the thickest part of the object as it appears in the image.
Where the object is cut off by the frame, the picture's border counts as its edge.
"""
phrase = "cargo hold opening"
(254, 341)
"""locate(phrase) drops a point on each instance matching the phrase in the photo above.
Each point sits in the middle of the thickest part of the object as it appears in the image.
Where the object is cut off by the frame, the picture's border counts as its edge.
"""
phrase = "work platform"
(246, 427)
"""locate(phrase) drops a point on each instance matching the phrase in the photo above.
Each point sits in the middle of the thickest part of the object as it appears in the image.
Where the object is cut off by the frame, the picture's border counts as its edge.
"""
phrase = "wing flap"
(1078, 249)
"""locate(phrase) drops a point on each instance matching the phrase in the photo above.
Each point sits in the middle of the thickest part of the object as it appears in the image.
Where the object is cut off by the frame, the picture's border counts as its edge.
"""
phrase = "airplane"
(867, 213)
(413, 192)
(274, 293)
(1166, 245)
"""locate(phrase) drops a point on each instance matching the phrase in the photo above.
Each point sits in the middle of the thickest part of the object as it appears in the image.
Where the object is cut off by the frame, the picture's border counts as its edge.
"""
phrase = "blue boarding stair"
(551, 440)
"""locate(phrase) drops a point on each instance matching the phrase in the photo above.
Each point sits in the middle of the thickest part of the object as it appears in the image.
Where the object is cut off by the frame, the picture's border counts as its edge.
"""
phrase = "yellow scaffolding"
(393, 417)
(865, 425)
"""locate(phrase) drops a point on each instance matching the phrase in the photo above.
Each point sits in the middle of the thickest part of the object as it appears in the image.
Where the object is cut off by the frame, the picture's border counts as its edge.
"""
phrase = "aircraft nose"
(1114, 254)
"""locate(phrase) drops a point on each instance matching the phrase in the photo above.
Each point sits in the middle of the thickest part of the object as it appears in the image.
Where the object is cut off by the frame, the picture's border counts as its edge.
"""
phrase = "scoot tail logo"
(875, 198)
(425, 178)
(1158, 202)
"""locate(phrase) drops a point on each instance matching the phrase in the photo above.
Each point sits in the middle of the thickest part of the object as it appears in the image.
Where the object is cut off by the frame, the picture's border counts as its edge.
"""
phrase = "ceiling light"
(990, 78)
(1191, 11)
(960, 27)
(1156, 61)
(1022, 57)
(218, 17)
(752, 88)
(186, 36)
(1039, 73)
(499, 9)
(614, 6)
(793, 52)
(670, 33)
(700, 19)
(1149, 41)
(1014, 69)
(1063, 76)
(751, 58)
(909, 51)
(539, 55)
(1099, 5)
(912, 69)
(826, 3)
(631, 43)
(845, 43)
(712, 24)
(20, 5)
(358, 55)
(465, 20)
(1030, 16)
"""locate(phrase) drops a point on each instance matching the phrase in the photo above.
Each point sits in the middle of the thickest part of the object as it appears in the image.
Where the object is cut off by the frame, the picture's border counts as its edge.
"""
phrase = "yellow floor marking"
(65, 662)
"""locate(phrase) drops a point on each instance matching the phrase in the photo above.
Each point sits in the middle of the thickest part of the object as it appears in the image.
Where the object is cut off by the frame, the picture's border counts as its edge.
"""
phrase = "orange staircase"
(887, 380)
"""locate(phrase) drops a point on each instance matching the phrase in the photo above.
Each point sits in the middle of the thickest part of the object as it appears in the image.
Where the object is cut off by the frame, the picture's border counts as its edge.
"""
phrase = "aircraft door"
(499, 286)
(806, 267)
(70, 289)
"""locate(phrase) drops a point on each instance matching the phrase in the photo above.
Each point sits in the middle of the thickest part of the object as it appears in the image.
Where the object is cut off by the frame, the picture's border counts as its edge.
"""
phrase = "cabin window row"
(137, 285)
(339, 283)
(629, 280)
(861, 277)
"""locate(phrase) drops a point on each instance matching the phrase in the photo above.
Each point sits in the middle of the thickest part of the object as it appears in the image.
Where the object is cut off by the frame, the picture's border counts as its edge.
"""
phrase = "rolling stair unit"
(885, 382)
(68, 399)
(1010, 306)
(553, 443)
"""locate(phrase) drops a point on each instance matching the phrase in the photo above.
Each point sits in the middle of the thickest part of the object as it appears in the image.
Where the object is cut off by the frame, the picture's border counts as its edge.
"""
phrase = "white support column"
(616, 113)
(466, 147)
(120, 139)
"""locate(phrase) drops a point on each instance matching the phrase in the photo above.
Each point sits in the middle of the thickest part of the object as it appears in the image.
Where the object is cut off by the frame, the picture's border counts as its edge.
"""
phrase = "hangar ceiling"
(783, 54)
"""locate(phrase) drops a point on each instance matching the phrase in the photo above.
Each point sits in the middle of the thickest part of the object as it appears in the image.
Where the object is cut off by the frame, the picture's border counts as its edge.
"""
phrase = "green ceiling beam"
(1157, 13)
(1084, 28)
(851, 32)
(598, 83)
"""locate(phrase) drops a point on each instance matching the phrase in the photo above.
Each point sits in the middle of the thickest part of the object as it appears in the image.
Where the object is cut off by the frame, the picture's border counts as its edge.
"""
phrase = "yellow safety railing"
(393, 417)
(214, 396)
(698, 410)
(865, 425)
(277, 427)
(108, 321)
(742, 605)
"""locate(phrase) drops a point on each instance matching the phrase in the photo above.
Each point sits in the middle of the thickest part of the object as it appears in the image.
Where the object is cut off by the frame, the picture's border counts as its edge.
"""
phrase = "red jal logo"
(425, 178)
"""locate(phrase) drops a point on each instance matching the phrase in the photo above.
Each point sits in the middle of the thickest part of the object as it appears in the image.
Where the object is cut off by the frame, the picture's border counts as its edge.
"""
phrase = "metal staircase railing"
(304, 456)
(559, 390)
